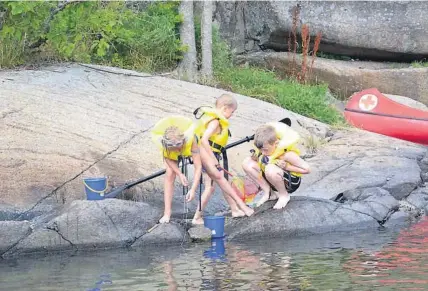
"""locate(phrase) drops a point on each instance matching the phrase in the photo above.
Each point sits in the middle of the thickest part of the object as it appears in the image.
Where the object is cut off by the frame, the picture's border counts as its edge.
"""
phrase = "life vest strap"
(223, 157)
(225, 164)
(183, 160)
(216, 146)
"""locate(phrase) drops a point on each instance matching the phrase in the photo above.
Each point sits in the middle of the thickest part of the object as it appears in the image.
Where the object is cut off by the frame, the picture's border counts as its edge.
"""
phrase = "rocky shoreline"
(338, 197)
(60, 128)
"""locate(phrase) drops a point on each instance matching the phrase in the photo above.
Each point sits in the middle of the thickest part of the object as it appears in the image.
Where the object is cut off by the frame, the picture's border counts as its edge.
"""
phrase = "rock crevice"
(366, 30)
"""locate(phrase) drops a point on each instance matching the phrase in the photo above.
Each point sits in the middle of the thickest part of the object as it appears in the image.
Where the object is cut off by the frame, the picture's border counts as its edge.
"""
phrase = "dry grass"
(312, 143)
(305, 72)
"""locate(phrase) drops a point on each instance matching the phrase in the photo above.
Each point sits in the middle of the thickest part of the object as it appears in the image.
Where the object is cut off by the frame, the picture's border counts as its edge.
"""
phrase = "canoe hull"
(372, 111)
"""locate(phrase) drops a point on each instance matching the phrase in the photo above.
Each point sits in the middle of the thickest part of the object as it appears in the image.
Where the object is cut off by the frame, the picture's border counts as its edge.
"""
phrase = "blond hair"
(265, 134)
(172, 137)
(226, 100)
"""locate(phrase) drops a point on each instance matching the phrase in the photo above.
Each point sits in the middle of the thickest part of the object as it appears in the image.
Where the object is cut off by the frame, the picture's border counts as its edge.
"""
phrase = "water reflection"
(216, 250)
(381, 260)
(170, 279)
(400, 265)
(104, 280)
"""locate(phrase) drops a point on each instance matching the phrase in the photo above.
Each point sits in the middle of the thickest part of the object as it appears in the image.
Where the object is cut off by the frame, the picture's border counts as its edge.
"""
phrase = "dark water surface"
(385, 259)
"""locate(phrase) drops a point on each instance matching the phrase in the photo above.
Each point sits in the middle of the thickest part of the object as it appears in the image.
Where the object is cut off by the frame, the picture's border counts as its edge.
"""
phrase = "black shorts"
(291, 182)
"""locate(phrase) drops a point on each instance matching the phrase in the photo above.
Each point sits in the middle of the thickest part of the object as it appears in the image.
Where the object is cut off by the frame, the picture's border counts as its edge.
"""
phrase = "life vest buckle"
(196, 112)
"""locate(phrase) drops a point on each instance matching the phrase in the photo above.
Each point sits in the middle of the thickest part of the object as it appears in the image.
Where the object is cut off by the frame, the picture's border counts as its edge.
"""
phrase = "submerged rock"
(199, 233)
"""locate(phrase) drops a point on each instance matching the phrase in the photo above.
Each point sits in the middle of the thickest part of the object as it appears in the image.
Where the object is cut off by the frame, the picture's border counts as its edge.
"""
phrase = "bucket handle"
(96, 191)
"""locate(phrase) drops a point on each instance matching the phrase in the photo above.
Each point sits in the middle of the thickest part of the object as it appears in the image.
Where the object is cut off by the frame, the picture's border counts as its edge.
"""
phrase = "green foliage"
(420, 64)
(113, 34)
(109, 32)
(158, 37)
(25, 19)
(24, 23)
(105, 32)
(307, 100)
(222, 54)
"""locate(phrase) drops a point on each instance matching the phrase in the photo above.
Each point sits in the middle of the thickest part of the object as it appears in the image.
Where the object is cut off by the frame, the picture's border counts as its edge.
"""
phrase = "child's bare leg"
(168, 192)
(234, 208)
(218, 178)
(228, 191)
(252, 169)
(206, 196)
(275, 175)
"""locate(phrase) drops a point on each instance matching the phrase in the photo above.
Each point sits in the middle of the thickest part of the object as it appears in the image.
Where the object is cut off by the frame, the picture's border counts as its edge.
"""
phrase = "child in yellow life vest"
(278, 160)
(177, 137)
(215, 122)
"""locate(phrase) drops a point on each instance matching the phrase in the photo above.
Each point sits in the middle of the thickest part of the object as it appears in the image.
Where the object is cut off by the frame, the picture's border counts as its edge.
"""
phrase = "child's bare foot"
(266, 197)
(282, 202)
(249, 211)
(262, 200)
(198, 221)
(164, 219)
(238, 213)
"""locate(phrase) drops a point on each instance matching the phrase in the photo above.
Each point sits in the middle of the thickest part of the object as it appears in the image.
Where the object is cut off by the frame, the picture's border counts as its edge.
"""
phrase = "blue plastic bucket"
(216, 224)
(95, 188)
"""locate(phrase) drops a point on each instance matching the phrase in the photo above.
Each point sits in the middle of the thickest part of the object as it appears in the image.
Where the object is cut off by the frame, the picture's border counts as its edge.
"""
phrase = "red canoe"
(372, 111)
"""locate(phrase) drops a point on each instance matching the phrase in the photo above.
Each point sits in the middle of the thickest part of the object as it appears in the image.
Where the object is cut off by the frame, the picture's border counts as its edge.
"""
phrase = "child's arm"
(211, 129)
(197, 163)
(290, 161)
(174, 166)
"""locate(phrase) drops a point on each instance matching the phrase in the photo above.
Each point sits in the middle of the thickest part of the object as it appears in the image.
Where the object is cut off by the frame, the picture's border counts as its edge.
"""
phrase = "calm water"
(378, 260)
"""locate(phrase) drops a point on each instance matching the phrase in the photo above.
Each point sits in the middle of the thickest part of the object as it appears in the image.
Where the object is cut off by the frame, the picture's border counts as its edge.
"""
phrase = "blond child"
(178, 140)
(278, 160)
(215, 123)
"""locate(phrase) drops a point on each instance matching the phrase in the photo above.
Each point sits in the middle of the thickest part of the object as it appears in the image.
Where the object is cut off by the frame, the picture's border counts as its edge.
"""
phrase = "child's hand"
(253, 155)
(190, 195)
(282, 164)
(183, 180)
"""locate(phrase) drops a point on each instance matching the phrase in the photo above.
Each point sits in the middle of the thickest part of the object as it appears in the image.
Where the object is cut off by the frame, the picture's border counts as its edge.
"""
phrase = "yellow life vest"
(186, 125)
(288, 139)
(218, 140)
